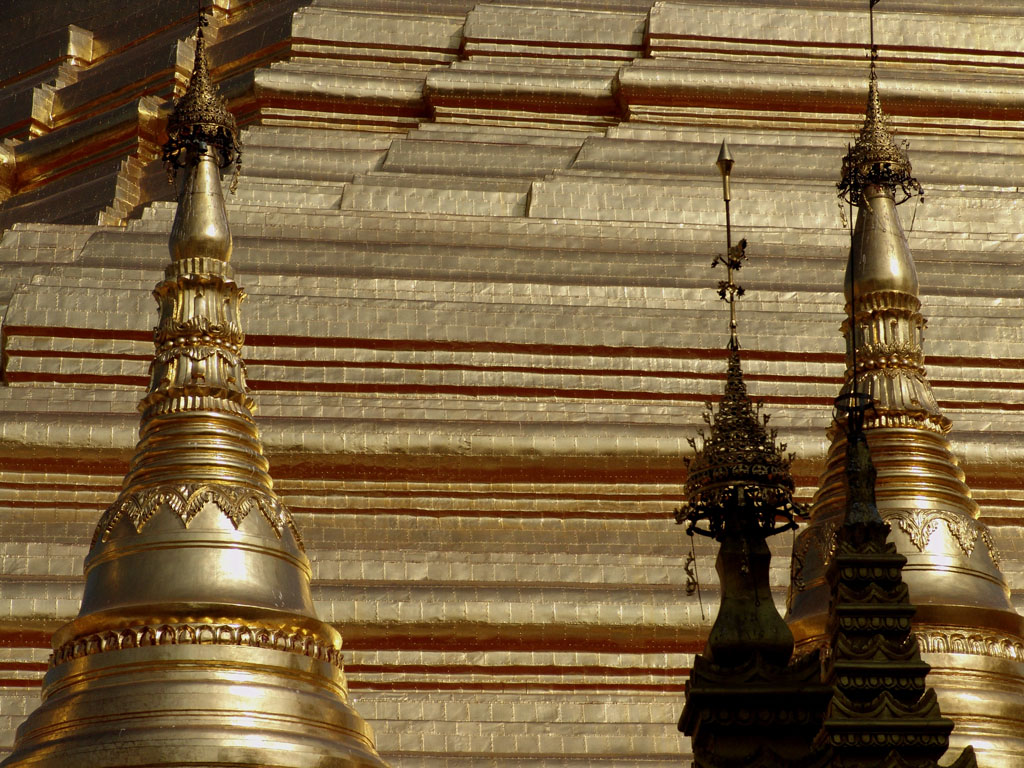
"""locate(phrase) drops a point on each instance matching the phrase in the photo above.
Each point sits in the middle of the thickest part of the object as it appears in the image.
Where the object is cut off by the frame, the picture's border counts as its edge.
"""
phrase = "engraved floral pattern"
(921, 525)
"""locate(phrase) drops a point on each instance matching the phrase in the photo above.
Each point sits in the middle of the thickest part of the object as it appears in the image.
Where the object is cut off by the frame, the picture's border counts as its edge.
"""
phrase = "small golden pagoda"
(965, 623)
(748, 701)
(197, 642)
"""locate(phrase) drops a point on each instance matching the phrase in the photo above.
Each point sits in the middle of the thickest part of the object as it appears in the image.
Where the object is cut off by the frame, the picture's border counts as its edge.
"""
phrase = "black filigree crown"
(739, 476)
(876, 158)
(201, 116)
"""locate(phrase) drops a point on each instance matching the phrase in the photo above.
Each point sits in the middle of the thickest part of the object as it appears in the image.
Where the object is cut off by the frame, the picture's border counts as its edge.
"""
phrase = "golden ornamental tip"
(876, 158)
(201, 117)
(724, 161)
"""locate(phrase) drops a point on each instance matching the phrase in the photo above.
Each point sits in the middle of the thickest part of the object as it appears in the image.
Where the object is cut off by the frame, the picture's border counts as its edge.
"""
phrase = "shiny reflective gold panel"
(476, 238)
(197, 641)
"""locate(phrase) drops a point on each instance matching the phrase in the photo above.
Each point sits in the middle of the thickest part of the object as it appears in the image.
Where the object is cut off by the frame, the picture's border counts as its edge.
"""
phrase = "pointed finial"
(728, 290)
(740, 478)
(860, 470)
(724, 164)
(201, 117)
(876, 159)
(202, 137)
(871, 26)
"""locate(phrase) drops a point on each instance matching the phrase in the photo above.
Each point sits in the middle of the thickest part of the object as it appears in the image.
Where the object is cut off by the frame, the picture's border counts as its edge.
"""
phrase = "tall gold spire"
(739, 491)
(964, 621)
(197, 642)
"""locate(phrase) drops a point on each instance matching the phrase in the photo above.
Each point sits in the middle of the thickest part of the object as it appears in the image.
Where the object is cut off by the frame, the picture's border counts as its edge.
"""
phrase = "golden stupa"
(197, 642)
(965, 623)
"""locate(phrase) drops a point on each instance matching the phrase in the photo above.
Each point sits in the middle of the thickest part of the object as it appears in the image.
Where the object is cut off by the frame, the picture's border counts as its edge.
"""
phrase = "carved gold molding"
(197, 634)
(187, 499)
(921, 524)
(200, 329)
(891, 358)
(918, 524)
(949, 640)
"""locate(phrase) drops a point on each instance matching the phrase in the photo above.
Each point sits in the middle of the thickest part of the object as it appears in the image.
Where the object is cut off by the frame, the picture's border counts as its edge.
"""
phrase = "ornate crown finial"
(201, 117)
(739, 478)
(876, 158)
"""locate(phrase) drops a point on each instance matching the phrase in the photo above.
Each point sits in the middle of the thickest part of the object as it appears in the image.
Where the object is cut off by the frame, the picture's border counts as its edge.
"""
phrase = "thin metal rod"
(728, 290)
(728, 263)
(854, 420)
(728, 227)
(871, 22)
(857, 412)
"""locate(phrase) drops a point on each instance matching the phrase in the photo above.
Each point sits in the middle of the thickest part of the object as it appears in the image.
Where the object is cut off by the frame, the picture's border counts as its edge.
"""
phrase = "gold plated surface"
(874, 663)
(475, 237)
(952, 566)
(197, 641)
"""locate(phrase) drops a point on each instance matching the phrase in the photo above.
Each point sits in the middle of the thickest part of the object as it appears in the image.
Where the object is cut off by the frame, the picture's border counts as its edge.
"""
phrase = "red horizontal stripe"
(20, 638)
(15, 377)
(381, 45)
(20, 683)
(75, 354)
(446, 685)
(51, 486)
(553, 42)
(513, 638)
(534, 369)
(431, 345)
(414, 389)
(122, 334)
(486, 513)
(28, 504)
(512, 669)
